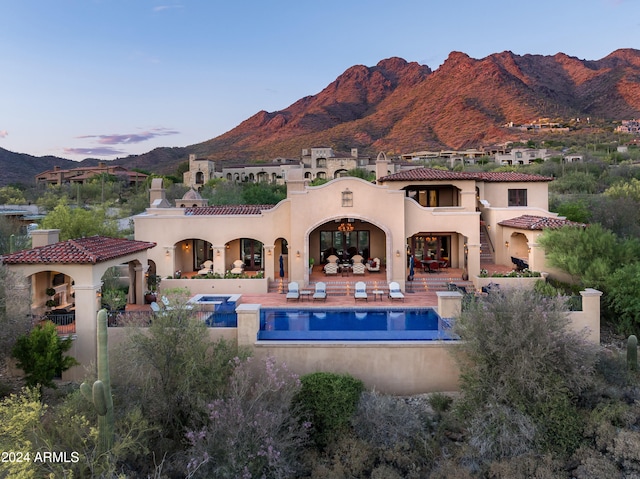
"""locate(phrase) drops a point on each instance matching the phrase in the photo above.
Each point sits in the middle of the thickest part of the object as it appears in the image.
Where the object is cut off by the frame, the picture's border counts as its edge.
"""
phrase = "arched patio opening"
(191, 254)
(249, 250)
(518, 246)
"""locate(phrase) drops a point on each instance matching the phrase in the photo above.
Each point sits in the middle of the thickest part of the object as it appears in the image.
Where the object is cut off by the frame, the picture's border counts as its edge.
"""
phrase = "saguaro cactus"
(100, 394)
(632, 353)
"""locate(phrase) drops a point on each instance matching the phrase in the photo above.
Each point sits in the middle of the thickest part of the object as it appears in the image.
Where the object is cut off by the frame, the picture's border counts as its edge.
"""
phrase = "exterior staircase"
(486, 251)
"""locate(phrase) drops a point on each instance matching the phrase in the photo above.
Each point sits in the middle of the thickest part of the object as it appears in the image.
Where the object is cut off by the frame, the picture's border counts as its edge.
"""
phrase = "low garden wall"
(219, 286)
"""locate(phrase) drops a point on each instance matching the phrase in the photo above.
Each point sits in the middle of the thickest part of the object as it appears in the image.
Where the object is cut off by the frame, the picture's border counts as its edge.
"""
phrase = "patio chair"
(358, 268)
(357, 259)
(332, 259)
(361, 291)
(321, 292)
(374, 266)
(331, 268)
(394, 291)
(293, 291)
(238, 267)
(207, 267)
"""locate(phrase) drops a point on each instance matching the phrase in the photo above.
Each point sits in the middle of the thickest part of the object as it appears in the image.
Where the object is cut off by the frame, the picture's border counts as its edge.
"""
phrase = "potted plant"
(311, 263)
(50, 303)
(153, 282)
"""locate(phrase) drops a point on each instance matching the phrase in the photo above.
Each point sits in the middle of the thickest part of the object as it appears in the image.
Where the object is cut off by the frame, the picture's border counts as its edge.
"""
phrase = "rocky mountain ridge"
(398, 106)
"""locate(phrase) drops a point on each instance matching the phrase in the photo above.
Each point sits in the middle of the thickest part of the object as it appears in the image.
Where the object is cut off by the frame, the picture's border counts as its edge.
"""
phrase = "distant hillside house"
(629, 126)
(59, 176)
(317, 163)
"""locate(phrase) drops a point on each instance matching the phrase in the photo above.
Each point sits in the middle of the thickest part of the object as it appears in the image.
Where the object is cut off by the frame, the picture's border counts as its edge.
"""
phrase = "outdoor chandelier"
(346, 227)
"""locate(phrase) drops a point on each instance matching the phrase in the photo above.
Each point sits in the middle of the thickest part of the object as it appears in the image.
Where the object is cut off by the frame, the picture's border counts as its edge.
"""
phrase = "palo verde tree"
(78, 222)
(590, 255)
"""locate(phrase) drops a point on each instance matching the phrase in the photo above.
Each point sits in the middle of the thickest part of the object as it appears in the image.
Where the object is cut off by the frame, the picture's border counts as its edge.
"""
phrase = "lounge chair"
(321, 292)
(293, 291)
(331, 268)
(358, 268)
(373, 266)
(394, 291)
(332, 259)
(238, 267)
(361, 291)
(207, 267)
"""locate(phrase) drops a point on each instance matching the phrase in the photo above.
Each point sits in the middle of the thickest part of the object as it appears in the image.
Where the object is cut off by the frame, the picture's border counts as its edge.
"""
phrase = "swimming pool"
(366, 324)
(223, 309)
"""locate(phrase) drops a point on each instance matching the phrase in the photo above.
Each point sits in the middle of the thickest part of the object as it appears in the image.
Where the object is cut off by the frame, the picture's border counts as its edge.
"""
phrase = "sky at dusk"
(111, 78)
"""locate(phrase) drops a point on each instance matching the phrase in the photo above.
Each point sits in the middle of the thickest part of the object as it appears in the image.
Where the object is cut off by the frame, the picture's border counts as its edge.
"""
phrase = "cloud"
(93, 151)
(161, 8)
(130, 138)
(4, 133)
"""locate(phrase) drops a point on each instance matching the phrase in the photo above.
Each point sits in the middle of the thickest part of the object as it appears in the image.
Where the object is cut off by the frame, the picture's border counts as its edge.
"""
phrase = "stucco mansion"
(429, 213)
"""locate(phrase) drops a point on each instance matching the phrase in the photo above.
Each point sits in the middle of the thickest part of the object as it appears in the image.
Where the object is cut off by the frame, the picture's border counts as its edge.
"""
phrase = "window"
(199, 178)
(347, 198)
(518, 197)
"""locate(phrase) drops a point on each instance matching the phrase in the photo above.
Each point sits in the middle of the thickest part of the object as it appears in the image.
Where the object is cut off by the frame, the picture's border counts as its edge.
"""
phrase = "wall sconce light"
(166, 253)
(186, 246)
(528, 250)
(269, 252)
(217, 252)
(488, 227)
(298, 254)
(506, 244)
(398, 253)
(227, 246)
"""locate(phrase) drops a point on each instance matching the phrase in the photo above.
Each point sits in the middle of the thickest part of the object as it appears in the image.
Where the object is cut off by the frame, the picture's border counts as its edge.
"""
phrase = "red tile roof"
(227, 210)
(530, 222)
(91, 250)
(430, 174)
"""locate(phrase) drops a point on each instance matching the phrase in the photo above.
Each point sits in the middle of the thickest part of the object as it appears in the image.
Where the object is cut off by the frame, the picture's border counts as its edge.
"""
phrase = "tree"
(522, 369)
(589, 254)
(623, 299)
(629, 190)
(78, 222)
(41, 355)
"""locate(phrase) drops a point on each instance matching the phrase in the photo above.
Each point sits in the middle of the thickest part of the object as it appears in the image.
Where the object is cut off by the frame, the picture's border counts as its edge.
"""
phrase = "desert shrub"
(440, 403)
(330, 400)
(385, 421)
(529, 466)
(593, 464)
(41, 355)
(347, 456)
(20, 414)
(517, 351)
(623, 299)
(255, 431)
(173, 370)
(498, 431)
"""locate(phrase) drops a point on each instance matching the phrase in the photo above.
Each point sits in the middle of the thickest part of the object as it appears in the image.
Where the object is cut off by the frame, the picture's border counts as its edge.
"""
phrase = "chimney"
(354, 153)
(56, 168)
(44, 237)
(101, 164)
(382, 165)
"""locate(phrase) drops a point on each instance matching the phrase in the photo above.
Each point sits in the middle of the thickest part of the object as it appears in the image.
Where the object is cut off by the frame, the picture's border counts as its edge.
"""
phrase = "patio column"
(219, 259)
(87, 305)
(269, 261)
(140, 283)
(473, 259)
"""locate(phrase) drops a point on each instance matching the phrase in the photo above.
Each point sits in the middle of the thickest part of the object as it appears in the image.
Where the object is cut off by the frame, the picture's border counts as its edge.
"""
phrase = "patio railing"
(65, 323)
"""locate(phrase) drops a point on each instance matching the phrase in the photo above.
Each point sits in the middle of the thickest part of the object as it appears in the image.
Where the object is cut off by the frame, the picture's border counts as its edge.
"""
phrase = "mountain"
(397, 106)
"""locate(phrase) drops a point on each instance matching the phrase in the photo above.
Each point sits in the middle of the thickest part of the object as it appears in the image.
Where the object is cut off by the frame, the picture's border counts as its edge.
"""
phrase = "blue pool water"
(352, 324)
(223, 307)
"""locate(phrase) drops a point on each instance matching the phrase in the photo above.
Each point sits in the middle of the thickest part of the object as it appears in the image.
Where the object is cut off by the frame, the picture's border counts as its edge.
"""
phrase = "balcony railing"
(65, 322)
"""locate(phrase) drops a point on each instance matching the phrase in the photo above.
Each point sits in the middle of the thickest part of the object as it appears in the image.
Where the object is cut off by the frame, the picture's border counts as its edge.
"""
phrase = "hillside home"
(59, 176)
(432, 214)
